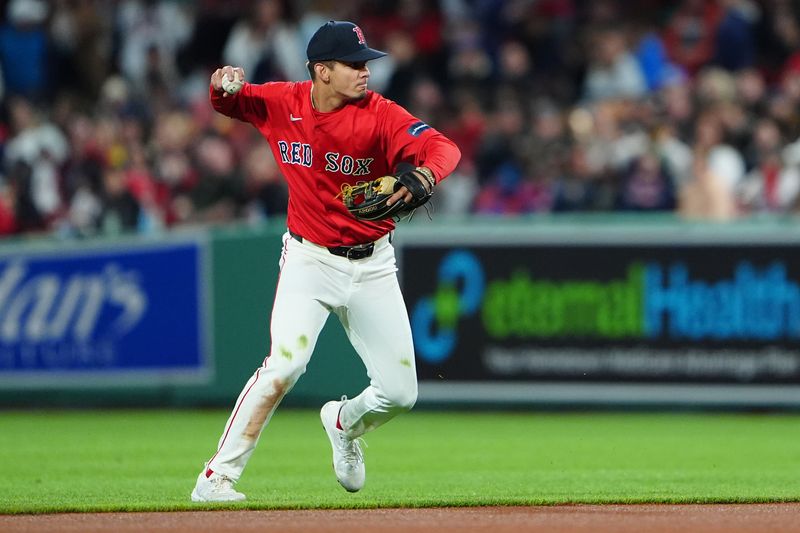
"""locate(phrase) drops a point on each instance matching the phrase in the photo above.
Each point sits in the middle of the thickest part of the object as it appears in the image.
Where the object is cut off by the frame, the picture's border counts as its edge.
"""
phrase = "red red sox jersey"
(318, 152)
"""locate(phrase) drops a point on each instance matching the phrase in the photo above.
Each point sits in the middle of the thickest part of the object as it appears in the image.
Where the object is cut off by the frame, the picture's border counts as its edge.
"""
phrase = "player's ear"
(323, 71)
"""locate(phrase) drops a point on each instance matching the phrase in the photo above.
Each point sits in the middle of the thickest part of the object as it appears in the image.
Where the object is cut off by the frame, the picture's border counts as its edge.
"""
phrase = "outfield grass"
(103, 461)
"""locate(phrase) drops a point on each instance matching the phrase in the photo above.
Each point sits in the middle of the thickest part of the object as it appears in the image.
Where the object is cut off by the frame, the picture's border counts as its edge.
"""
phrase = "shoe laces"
(352, 449)
(222, 483)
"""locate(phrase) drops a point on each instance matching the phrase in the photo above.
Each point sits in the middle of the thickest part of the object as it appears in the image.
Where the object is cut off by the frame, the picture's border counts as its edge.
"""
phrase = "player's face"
(350, 79)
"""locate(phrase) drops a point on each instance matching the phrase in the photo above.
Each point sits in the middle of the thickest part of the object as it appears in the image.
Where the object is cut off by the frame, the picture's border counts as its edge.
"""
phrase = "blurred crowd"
(685, 106)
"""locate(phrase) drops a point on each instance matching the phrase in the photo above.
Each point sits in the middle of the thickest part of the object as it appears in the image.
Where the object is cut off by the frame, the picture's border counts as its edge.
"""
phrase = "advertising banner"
(107, 315)
(605, 313)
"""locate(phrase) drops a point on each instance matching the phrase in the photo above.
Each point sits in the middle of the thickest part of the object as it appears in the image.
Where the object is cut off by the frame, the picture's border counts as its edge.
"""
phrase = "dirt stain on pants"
(263, 410)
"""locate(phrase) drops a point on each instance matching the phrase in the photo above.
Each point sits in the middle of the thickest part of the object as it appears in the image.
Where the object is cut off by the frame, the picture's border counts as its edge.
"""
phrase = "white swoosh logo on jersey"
(294, 118)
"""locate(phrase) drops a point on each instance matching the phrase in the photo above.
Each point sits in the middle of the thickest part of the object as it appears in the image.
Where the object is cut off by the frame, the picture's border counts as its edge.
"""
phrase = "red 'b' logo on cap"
(360, 35)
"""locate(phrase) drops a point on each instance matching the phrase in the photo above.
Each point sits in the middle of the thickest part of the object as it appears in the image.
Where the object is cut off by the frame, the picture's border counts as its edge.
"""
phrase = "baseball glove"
(366, 200)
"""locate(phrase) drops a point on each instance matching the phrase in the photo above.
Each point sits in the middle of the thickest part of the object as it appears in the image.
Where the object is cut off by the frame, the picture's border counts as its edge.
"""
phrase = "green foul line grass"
(147, 461)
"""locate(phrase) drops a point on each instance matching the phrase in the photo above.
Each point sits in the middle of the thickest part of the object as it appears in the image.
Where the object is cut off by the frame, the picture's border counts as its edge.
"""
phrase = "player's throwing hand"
(224, 80)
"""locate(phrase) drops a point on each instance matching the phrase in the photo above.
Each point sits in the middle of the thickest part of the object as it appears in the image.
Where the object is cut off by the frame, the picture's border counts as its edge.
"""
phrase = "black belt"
(359, 251)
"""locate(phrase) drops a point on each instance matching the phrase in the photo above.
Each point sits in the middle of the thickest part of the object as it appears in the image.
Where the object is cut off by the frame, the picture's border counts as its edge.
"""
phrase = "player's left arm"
(408, 139)
(247, 104)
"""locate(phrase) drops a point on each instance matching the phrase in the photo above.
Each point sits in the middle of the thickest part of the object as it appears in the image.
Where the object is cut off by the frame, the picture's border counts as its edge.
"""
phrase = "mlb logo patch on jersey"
(417, 128)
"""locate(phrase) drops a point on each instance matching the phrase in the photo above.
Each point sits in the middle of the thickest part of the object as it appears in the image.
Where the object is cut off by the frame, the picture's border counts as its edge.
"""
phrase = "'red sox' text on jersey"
(318, 152)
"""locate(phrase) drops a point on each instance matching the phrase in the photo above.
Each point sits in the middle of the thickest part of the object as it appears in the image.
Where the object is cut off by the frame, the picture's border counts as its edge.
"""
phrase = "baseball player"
(328, 134)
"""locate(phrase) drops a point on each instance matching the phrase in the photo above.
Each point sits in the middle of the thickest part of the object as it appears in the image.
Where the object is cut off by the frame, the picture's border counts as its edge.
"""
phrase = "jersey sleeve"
(408, 139)
(251, 104)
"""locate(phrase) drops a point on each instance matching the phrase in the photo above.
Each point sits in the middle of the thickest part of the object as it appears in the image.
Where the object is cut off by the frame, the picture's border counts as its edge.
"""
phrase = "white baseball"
(232, 86)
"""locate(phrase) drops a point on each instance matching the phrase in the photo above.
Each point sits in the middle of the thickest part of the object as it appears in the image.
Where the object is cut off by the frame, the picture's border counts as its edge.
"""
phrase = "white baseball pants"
(365, 295)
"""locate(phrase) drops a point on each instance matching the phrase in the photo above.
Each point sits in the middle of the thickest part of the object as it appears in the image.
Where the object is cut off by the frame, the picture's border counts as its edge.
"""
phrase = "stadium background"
(605, 151)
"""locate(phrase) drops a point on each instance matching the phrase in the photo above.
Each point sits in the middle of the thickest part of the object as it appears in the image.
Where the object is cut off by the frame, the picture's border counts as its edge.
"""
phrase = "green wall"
(243, 274)
(243, 271)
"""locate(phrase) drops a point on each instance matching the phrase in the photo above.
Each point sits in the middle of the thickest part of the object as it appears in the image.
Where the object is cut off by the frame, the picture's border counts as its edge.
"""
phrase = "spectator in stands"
(613, 73)
(217, 196)
(772, 185)
(8, 220)
(751, 90)
(265, 45)
(151, 33)
(583, 185)
(717, 172)
(421, 21)
(121, 211)
(509, 192)
(722, 160)
(674, 154)
(43, 148)
(551, 107)
(265, 188)
(24, 49)
(85, 208)
(647, 186)
(467, 125)
(705, 197)
(548, 130)
(515, 70)
(86, 156)
(502, 140)
(81, 33)
(140, 182)
(456, 195)
(26, 216)
(777, 35)
(691, 32)
(397, 79)
(647, 44)
(469, 61)
(734, 47)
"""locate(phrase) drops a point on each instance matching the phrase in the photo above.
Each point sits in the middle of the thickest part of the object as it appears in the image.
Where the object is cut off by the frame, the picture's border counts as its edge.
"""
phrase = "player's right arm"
(247, 105)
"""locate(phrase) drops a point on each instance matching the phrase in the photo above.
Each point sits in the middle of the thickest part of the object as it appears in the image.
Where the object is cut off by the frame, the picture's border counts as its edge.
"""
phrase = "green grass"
(133, 460)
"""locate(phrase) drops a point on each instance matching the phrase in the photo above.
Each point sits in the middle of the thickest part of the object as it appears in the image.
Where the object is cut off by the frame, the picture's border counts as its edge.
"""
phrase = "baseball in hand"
(232, 86)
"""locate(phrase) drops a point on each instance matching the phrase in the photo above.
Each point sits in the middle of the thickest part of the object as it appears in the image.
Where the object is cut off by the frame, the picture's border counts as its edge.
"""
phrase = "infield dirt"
(750, 518)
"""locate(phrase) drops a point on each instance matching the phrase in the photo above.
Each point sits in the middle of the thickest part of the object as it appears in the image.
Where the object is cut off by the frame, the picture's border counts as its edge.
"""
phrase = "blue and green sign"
(607, 313)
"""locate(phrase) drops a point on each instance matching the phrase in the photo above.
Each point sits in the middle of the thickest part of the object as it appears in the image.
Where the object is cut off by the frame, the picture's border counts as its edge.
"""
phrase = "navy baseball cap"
(342, 41)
